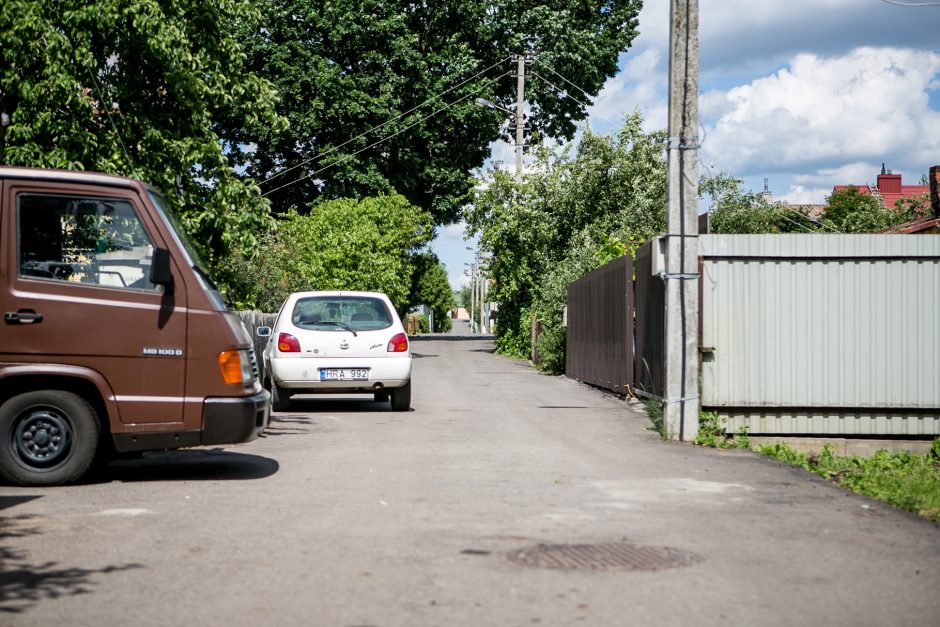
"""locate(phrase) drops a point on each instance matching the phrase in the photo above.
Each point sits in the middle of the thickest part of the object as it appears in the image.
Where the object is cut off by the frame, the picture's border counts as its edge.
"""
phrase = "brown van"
(114, 338)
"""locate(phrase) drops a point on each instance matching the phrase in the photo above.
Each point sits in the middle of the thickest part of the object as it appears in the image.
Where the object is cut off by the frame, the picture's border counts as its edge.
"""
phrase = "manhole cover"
(611, 556)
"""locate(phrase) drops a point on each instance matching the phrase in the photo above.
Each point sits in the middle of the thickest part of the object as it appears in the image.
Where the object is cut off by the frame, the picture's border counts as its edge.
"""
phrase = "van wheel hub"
(42, 437)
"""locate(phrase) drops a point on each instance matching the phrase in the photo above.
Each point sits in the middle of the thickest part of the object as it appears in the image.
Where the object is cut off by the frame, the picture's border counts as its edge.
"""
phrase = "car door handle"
(23, 316)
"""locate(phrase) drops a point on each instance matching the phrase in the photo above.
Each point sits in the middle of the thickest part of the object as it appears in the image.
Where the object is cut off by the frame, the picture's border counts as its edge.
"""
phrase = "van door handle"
(23, 316)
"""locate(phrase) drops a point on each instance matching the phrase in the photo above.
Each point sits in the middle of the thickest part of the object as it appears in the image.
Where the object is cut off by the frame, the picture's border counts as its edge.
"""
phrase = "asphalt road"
(349, 514)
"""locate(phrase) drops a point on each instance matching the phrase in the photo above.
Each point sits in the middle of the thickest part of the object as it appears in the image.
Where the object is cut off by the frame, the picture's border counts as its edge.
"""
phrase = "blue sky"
(805, 93)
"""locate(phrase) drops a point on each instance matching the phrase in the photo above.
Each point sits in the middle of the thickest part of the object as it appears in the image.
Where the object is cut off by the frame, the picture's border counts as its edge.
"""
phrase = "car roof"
(336, 293)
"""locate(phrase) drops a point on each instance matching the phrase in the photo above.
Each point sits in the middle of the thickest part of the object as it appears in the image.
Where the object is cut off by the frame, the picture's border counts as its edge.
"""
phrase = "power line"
(560, 90)
(383, 140)
(386, 123)
(913, 4)
(537, 60)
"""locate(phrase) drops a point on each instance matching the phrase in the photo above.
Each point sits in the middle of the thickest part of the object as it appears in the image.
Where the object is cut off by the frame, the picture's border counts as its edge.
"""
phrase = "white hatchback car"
(337, 343)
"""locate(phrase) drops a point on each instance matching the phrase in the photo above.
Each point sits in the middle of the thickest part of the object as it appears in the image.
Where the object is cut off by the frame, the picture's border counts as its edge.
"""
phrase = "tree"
(371, 244)
(736, 210)
(431, 287)
(549, 227)
(412, 69)
(135, 87)
(851, 211)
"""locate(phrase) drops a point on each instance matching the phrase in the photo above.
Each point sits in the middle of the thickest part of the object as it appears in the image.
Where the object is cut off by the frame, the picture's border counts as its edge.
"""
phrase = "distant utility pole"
(520, 102)
(473, 292)
(680, 399)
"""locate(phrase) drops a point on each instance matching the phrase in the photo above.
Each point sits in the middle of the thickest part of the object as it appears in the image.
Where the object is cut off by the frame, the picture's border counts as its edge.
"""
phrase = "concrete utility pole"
(473, 292)
(520, 100)
(681, 400)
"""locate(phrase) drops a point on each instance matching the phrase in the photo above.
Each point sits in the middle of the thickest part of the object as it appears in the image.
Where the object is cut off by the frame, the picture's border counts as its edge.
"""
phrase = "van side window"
(93, 241)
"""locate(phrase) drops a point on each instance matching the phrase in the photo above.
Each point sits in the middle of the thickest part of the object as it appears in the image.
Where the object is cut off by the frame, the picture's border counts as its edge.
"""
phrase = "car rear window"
(338, 313)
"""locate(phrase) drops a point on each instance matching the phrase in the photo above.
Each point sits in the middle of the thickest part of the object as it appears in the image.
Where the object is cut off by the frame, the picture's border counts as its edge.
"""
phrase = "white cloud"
(799, 195)
(640, 85)
(868, 105)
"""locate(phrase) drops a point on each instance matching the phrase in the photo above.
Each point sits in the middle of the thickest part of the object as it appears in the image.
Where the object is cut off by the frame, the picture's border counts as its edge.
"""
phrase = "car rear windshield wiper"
(342, 325)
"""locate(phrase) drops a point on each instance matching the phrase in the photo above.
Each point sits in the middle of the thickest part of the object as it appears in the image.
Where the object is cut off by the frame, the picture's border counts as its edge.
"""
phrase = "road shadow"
(430, 337)
(332, 405)
(186, 465)
(287, 424)
(23, 585)
(6, 502)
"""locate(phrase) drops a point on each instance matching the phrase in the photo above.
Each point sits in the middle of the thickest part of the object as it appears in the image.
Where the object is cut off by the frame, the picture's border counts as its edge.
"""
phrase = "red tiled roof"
(907, 191)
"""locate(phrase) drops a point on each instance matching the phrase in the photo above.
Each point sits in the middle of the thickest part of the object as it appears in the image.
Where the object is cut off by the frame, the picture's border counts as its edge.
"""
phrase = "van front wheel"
(50, 437)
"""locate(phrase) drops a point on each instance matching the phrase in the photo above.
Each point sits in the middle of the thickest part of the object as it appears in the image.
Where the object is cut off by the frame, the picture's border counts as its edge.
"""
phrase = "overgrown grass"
(655, 412)
(910, 482)
(712, 433)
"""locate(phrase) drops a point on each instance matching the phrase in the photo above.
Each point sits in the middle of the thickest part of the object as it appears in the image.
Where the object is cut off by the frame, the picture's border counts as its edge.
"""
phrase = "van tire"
(280, 398)
(50, 437)
(401, 397)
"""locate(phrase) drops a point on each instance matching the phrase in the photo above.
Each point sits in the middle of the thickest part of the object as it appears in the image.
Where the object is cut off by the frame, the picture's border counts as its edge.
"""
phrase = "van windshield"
(193, 259)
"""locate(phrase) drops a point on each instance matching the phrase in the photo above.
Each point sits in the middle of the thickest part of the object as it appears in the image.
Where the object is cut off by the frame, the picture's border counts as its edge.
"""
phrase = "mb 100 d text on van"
(113, 337)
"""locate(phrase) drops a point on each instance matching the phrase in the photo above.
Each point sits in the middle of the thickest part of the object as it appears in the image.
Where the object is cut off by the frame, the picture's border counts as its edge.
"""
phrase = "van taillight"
(287, 343)
(398, 344)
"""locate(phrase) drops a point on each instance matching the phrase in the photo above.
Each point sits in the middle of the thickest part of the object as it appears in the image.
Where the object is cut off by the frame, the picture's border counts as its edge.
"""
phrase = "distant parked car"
(337, 343)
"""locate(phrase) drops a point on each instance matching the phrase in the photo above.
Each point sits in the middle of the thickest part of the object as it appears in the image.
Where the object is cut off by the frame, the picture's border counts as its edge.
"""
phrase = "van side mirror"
(160, 268)
(263, 331)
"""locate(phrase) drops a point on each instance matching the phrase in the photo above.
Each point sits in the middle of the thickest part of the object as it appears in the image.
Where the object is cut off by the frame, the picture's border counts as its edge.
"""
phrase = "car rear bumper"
(303, 373)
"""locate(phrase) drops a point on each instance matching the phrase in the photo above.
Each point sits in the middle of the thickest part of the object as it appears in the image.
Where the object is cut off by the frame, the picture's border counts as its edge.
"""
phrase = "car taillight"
(236, 367)
(287, 343)
(398, 344)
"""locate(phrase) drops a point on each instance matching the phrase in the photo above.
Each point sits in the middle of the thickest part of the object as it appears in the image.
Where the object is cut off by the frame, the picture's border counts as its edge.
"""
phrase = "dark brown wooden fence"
(600, 327)
(252, 320)
(649, 357)
(616, 336)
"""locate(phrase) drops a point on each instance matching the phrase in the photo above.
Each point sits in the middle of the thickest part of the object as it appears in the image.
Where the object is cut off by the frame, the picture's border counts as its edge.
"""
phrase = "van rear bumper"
(231, 420)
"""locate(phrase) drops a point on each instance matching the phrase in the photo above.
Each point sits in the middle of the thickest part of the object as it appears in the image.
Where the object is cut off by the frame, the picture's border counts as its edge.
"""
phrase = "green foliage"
(654, 410)
(543, 230)
(343, 68)
(713, 433)
(851, 211)
(137, 87)
(369, 244)
(736, 210)
(431, 287)
(910, 482)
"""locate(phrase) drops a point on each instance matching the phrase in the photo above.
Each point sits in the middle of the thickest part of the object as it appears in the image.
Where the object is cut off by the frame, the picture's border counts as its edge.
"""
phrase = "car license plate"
(344, 374)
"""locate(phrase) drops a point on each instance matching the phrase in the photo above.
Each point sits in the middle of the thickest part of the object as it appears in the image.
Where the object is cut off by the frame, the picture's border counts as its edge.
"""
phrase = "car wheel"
(50, 437)
(401, 397)
(381, 397)
(280, 398)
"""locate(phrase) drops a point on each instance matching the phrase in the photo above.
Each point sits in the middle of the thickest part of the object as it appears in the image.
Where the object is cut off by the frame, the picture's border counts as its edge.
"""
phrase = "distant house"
(928, 225)
(888, 189)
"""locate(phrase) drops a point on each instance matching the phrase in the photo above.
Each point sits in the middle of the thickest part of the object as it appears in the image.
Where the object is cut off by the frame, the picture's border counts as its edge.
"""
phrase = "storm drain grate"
(610, 556)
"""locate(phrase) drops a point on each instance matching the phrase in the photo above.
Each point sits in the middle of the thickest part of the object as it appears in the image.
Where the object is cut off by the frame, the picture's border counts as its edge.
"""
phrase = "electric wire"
(381, 141)
(566, 93)
(912, 4)
(386, 123)
(107, 110)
